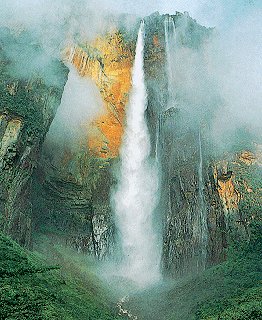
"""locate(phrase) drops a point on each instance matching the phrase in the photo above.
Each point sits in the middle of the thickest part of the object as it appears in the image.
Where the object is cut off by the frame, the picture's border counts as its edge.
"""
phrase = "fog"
(226, 70)
(41, 29)
(221, 80)
(80, 104)
(237, 68)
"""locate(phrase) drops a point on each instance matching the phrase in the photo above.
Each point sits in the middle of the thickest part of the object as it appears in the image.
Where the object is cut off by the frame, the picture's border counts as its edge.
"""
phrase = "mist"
(218, 81)
(215, 82)
(237, 68)
(40, 31)
(80, 104)
(225, 70)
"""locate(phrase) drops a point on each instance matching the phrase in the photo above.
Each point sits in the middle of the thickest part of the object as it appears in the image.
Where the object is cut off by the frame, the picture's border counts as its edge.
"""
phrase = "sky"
(207, 12)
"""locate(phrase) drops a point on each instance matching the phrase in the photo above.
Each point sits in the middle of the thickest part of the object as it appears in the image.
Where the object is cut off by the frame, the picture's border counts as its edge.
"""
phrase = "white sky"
(207, 12)
(219, 13)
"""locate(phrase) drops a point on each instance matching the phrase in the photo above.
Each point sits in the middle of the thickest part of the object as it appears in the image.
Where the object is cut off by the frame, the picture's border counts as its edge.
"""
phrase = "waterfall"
(135, 196)
(202, 219)
(72, 54)
(158, 138)
(170, 40)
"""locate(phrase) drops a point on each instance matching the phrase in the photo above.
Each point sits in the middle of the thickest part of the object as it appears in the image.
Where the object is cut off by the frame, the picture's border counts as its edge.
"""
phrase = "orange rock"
(226, 188)
(247, 157)
(108, 61)
(156, 41)
(228, 193)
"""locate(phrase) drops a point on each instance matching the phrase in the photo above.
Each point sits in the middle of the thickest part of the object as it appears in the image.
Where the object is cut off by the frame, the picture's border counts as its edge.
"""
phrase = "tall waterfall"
(202, 219)
(135, 196)
(194, 227)
(170, 42)
(170, 39)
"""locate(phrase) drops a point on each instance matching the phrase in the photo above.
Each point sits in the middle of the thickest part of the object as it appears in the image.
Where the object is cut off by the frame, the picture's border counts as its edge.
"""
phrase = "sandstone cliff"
(27, 108)
(202, 193)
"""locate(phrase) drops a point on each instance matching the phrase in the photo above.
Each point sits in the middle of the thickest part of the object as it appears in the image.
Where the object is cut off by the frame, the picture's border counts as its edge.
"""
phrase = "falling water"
(170, 39)
(136, 191)
(202, 220)
(72, 54)
(158, 138)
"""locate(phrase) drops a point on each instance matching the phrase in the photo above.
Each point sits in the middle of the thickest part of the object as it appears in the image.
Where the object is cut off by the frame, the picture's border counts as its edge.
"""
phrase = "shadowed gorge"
(130, 162)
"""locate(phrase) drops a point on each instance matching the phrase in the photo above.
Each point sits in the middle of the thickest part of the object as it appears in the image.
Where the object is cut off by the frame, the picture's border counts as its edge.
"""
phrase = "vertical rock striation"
(27, 108)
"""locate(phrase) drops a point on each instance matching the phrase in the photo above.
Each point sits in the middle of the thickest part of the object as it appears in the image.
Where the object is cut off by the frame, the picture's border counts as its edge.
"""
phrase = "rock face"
(27, 108)
(74, 193)
(67, 195)
(182, 204)
(108, 62)
(199, 199)
(75, 212)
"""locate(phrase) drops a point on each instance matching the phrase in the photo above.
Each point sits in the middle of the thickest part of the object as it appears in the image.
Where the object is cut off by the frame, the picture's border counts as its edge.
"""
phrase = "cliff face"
(201, 196)
(27, 108)
(20, 151)
(176, 146)
(108, 61)
(75, 189)
(239, 188)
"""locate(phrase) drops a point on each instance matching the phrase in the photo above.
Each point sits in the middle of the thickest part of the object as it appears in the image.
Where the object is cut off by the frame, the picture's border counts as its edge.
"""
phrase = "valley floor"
(33, 288)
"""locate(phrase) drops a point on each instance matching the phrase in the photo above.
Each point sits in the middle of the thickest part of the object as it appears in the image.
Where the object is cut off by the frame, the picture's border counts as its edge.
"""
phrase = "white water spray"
(136, 194)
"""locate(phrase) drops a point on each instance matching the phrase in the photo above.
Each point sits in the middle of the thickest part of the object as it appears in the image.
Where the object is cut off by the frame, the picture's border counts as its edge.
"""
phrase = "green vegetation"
(31, 290)
(235, 286)
(27, 100)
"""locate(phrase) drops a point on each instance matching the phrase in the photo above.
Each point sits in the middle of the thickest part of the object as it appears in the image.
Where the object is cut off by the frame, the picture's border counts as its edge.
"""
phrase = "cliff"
(108, 62)
(203, 194)
(27, 109)
(73, 195)
(202, 189)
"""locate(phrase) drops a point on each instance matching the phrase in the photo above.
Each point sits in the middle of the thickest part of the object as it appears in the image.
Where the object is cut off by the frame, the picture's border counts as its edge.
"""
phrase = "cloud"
(237, 69)
(39, 31)
(221, 81)
(234, 56)
(80, 104)
(207, 12)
